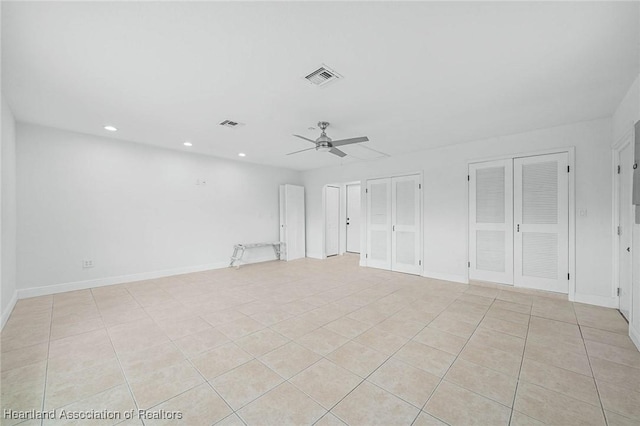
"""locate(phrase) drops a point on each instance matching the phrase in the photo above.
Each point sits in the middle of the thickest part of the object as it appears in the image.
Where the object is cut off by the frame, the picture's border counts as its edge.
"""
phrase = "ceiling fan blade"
(306, 139)
(337, 152)
(302, 150)
(349, 141)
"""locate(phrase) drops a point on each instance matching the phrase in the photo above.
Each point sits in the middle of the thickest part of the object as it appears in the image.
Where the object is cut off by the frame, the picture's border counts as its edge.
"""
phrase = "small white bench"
(239, 249)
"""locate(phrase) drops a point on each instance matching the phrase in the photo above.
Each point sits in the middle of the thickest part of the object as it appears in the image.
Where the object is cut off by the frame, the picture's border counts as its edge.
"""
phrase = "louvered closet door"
(406, 254)
(541, 216)
(379, 223)
(491, 221)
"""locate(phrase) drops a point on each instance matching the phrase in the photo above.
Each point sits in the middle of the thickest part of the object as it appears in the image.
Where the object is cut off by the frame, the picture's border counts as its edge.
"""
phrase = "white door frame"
(571, 151)
(343, 220)
(325, 189)
(617, 147)
(342, 248)
(324, 217)
(364, 212)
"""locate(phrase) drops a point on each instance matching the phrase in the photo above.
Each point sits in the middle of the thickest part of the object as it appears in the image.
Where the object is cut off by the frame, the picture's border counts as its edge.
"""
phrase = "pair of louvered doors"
(519, 222)
(394, 224)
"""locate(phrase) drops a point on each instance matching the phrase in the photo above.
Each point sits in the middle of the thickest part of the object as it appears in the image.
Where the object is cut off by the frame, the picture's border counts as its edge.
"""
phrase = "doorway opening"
(624, 224)
(331, 220)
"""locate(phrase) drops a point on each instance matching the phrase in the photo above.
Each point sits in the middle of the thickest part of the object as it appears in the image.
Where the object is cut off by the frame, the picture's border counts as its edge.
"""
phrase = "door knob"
(629, 249)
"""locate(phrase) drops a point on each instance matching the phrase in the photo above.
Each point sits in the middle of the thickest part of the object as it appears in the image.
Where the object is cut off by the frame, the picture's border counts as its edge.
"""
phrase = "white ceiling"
(416, 75)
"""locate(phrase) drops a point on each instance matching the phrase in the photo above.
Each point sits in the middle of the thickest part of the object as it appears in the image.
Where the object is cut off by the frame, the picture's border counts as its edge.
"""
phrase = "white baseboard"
(7, 313)
(101, 282)
(446, 277)
(589, 299)
(635, 336)
(315, 255)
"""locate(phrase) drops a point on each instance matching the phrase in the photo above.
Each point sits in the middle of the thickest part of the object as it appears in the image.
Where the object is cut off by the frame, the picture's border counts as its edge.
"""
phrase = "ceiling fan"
(324, 142)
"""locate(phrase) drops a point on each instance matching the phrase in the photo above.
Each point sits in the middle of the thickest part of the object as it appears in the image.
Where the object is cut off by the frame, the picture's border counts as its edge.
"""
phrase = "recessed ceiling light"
(187, 144)
(242, 154)
(110, 128)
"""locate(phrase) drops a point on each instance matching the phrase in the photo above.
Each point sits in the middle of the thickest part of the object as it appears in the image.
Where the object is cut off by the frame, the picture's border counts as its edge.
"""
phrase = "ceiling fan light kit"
(325, 144)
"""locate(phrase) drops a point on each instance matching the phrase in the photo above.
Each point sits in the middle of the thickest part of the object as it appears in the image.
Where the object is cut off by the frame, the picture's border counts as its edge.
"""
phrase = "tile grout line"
(254, 358)
(186, 358)
(351, 340)
(399, 349)
(233, 411)
(124, 375)
(572, 371)
(46, 373)
(287, 380)
(595, 382)
(456, 358)
(189, 360)
(325, 358)
(524, 348)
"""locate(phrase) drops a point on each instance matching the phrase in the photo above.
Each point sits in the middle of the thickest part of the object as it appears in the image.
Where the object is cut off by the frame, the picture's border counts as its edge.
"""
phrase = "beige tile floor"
(320, 342)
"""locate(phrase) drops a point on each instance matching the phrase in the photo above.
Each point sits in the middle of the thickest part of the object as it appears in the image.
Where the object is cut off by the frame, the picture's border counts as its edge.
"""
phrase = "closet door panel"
(406, 228)
(541, 215)
(491, 221)
(379, 223)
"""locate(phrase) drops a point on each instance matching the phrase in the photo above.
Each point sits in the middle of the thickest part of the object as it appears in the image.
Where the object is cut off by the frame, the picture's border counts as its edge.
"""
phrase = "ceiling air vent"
(229, 123)
(322, 76)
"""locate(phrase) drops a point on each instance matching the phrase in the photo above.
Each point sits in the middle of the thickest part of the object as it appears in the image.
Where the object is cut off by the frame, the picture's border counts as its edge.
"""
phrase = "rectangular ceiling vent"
(229, 123)
(322, 76)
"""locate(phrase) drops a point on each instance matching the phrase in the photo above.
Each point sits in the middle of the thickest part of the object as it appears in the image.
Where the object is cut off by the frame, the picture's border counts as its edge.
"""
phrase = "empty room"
(320, 213)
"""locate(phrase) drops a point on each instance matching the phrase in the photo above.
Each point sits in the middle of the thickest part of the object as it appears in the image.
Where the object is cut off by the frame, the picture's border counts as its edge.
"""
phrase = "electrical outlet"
(87, 264)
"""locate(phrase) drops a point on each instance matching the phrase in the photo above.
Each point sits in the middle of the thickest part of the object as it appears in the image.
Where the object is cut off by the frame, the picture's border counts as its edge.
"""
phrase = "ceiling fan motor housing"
(323, 145)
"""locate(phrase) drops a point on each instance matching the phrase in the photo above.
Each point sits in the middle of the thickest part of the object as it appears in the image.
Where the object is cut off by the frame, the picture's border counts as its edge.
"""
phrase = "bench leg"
(234, 256)
(240, 258)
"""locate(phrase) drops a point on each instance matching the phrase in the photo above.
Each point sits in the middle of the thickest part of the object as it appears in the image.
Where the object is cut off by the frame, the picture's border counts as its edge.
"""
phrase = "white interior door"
(353, 218)
(491, 221)
(292, 221)
(406, 255)
(379, 223)
(541, 215)
(331, 220)
(625, 226)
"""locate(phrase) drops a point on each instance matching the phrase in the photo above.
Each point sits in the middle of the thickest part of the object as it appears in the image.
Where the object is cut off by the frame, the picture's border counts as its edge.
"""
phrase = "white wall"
(627, 113)
(132, 209)
(445, 199)
(8, 220)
